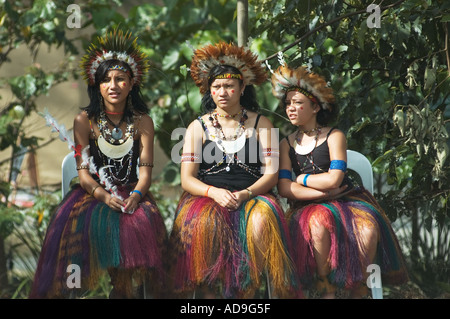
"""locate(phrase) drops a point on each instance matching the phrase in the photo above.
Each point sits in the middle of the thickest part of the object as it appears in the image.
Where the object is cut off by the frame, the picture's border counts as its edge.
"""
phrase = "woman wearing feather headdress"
(109, 221)
(229, 228)
(337, 229)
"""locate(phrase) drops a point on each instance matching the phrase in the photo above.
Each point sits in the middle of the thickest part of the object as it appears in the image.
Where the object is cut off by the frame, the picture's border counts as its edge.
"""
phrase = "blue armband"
(338, 164)
(284, 173)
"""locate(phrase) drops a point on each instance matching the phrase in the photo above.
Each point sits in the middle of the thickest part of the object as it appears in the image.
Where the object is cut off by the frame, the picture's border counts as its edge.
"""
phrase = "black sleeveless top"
(119, 171)
(234, 172)
(318, 161)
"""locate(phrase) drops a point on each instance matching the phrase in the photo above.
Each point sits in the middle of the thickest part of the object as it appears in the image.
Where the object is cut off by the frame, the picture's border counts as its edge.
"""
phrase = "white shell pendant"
(114, 151)
(231, 147)
(306, 149)
(117, 133)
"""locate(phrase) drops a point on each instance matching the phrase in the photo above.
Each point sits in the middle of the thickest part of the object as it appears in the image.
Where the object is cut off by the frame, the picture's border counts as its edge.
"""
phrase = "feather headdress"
(222, 53)
(311, 84)
(115, 45)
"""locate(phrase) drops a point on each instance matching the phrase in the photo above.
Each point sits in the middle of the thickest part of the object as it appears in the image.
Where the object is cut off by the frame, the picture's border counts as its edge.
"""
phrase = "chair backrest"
(358, 163)
(69, 172)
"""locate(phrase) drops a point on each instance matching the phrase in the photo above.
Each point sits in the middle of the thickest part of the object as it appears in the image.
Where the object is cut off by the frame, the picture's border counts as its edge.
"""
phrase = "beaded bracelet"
(250, 194)
(82, 167)
(145, 164)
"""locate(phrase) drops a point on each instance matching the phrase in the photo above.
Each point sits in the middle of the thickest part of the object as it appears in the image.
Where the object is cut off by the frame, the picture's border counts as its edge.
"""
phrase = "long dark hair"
(94, 107)
(248, 99)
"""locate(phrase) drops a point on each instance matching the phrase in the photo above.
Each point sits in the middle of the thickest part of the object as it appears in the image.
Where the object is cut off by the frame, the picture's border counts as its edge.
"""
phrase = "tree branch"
(307, 34)
(446, 47)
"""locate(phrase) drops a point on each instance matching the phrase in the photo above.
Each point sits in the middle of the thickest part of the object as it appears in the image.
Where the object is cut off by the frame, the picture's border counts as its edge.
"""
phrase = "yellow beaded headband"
(304, 92)
(229, 76)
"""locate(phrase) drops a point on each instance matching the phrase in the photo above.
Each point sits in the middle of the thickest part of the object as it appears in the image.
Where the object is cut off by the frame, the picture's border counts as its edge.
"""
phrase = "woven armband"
(270, 152)
(338, 164)
(190, 157)
(284, 173)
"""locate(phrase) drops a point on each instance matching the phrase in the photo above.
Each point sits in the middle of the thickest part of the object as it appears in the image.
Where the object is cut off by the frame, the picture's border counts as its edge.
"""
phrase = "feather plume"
(204, 59)
(61, 129)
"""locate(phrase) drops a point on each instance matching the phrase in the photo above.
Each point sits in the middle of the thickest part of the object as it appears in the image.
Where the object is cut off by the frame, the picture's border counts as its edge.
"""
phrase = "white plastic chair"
(358, 163)
(69, 172)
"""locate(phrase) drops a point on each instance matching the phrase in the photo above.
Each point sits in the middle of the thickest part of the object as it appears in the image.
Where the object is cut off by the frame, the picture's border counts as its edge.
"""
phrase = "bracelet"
(206, 193)
(136, 191)
(304, 180)
(250, 194)
(82, 167)
(145, 164)
(93, 190)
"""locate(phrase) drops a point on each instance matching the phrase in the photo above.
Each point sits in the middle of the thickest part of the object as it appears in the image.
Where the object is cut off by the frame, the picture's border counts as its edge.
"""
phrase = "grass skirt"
(217, 247)
(86, 232)
(344, 219)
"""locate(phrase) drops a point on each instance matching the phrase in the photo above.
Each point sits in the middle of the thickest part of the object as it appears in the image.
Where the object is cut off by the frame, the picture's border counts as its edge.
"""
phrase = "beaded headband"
(312, 85)
(119, 68)
(229, 76)
(304, 92)
(204, 59)
(119, 46)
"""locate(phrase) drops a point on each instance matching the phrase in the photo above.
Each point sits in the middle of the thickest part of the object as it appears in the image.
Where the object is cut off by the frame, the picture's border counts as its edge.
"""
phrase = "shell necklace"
(308, 148)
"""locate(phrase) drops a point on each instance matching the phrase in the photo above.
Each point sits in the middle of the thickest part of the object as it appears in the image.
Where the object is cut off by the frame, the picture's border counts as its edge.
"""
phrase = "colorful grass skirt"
(86, 232)
(345, 219)
(219, 248)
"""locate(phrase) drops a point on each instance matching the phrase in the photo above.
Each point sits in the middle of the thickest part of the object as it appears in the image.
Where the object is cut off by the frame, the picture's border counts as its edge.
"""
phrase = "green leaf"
(445, 18)
(429, 77)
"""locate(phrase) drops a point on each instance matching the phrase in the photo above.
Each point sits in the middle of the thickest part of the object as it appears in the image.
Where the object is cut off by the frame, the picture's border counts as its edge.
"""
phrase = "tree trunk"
(242, 22)
(3, 268)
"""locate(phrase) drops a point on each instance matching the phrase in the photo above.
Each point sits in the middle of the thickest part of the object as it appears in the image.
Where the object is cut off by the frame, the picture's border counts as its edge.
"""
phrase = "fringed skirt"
(232, 250)
(88, 236)
(345, 219)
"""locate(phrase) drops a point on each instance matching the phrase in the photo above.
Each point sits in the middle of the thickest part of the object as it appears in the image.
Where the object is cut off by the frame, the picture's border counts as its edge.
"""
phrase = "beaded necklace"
(115, 165)
(102, 123)
(308, 149)
(232, 116)
(228, 157)
(220, 135)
